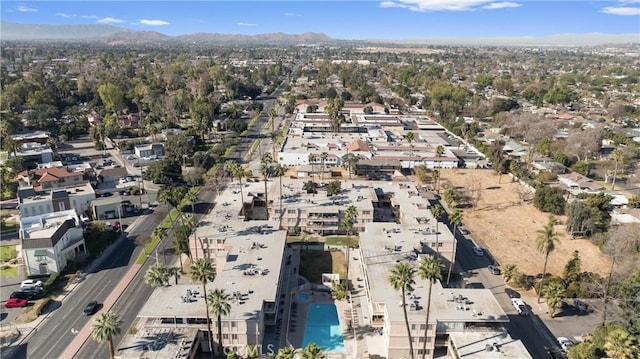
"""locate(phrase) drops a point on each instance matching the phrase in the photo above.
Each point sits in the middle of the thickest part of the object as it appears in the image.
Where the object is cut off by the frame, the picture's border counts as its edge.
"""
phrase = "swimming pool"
(323, 328)
(303, 297)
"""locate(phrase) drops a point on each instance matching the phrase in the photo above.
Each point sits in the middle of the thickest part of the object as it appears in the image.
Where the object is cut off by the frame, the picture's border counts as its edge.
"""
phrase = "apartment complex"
(33, 203)
(50, 241)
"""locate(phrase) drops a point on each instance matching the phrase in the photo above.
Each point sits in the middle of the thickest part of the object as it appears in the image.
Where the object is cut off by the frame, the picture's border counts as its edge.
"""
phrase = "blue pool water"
(303, 297)
(323, 328)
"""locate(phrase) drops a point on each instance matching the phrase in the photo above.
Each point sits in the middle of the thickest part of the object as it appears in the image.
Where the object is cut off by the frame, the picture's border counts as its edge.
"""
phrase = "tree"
(435, 176)
(437, 212)
(545, 243)
(104, 328)
(572, 269)
(449, 195)
(554, 292)
(350, 215)
(549, 199)
(410, 137)
(112, 97)
(312, 158)
(279, 171)
(237, 172)
(181, 241)
(509, 272)
(402, 278)
(323, 159)
(287, 352)
(429, 269)
(202, 272)
(309, 187)
(618, 157)
(333, 188)
(455, 218)
(621, 344)
(312, 351)
(350, 161)
(265, 165)
(157, 275)
(192, 197)
(175, 273)
(219, 305)
(172, 196)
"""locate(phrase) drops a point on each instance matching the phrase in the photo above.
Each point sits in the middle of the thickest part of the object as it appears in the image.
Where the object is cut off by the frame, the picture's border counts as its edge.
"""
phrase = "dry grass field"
(508, 228)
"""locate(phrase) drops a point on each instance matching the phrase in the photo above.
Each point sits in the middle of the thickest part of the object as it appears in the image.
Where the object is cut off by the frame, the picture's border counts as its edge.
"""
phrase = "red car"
(15, 303)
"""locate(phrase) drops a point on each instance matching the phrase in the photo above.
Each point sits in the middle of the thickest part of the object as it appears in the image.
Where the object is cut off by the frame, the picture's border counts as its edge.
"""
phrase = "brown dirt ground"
(508, 229)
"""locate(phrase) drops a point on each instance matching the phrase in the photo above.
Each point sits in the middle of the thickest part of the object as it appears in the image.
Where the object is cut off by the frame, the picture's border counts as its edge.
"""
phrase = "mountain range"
(108, 34)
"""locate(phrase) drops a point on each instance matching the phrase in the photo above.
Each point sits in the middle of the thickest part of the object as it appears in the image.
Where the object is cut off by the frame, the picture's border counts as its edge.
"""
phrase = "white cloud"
(291, 14)
(153, 22)
(89, 17)
(246, 24)
(621, 10)
(446, 5)
(68, 16)
(109, 20)
(25, 8)
(501, 5)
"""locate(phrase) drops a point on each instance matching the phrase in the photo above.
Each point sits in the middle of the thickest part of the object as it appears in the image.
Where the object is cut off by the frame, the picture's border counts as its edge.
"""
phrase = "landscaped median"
(150, 246)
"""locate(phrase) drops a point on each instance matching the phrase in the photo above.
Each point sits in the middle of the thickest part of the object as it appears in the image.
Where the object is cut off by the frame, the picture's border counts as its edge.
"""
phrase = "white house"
(149, 150)
(50, 241)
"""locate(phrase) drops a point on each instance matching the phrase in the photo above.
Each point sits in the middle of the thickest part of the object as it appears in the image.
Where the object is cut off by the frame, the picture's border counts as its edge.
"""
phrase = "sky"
(357, 20)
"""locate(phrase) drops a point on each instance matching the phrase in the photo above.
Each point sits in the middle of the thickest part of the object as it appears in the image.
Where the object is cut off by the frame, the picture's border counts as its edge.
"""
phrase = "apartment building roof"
(488, 344)
(45, 230)
(29, 195)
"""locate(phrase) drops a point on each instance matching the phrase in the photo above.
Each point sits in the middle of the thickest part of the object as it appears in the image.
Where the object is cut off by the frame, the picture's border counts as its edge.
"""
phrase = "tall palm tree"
(312, 159)
(437, 211)
(323, 159)
(618, 157)
(172, 196)
(455, 217)
(287, 352)
(202, 272)
(312, 351)
(279, 171)
(435, 176)
(439, 153)
(161, 232)
(237, 172)
(554, 292)
(546, 243)
(429, 269)
(349, 162)
(273, 135)
(402, 279)
(104, 328)
(410, 137)
(175, 273)
(265, 164)
(218, 303)
(157, 275)
(346, 224)
(192, 198)
(449, 195)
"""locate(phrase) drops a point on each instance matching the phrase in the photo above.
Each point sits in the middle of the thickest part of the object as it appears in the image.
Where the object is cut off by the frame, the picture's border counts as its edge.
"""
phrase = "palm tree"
(161, 232)
(273, 135)
(201, 272)
(618, 157)
(181, 246)
(312, 159)
(455, 217)
(509, 272)
(410, 137)
(449, 195)
(402, 279)
(265, 164)
(429, 269)
(238, 172)
(323, 158)
(312, 351)
(192, 198)
(546, 243)
(175, 273)
(287, 352)
(439, 152)
(554, 292)
(157, 275)
(437, 211)
(350, 215)
(171, 196)
(104, 328)
(279, 171)
(218, 303)
(435, 176)
(350, 162)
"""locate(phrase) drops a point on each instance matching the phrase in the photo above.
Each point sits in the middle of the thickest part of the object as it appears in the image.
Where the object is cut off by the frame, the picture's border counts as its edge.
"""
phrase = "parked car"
(565, 343)
(30, 283)
(520, 307)
(84, 218)
(494, 269)
(478, 251)
(90, 308)
(463, 229)
(15, 303)
(26, 295)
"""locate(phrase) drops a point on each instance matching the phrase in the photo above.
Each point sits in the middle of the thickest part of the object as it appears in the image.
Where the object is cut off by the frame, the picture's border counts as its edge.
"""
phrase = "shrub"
(549, 199)
(50, 281)
(523, 281)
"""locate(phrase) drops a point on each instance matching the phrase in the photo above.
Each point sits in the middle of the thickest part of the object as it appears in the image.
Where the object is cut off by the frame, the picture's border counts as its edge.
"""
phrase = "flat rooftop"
(78, 190)
(158, 343)
(44, 226)
(488, 345)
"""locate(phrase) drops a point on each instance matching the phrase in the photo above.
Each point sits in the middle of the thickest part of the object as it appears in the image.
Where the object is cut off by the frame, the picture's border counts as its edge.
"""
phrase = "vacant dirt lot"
(508, 228)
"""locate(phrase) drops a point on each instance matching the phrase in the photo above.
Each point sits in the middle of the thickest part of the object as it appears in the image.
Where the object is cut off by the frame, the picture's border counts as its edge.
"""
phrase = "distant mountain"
(16, 31)
(269, 38)
(587, 39)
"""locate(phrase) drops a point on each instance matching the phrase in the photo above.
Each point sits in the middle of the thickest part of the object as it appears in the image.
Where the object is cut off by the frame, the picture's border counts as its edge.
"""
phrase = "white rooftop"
(488, 345)
(45, 225)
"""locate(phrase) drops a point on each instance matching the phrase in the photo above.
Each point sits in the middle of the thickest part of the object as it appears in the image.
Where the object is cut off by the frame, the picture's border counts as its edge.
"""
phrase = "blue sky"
(364, 19)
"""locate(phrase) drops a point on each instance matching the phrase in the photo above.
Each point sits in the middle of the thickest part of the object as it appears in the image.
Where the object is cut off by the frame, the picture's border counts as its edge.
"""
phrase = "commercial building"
(107, 208)
(50, 241)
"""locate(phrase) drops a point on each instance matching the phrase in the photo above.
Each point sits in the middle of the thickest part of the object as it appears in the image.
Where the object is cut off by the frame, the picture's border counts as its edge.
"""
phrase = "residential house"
(34, 203)
(51, 241)
(33, 153)
(150, 150)
(50, 178)
(111, 174)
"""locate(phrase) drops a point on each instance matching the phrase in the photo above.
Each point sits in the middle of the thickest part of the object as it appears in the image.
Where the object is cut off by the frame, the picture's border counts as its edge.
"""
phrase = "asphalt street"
(58, 329)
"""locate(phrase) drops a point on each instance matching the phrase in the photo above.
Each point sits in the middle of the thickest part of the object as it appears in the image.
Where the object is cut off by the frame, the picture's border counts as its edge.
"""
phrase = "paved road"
(58, 329)
(530, 330)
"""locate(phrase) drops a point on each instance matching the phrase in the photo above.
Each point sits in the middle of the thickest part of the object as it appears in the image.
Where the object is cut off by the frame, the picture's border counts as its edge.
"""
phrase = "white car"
(520, 307)
(84, 218)
(478, 251)
(565, 343)
(30, 283)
